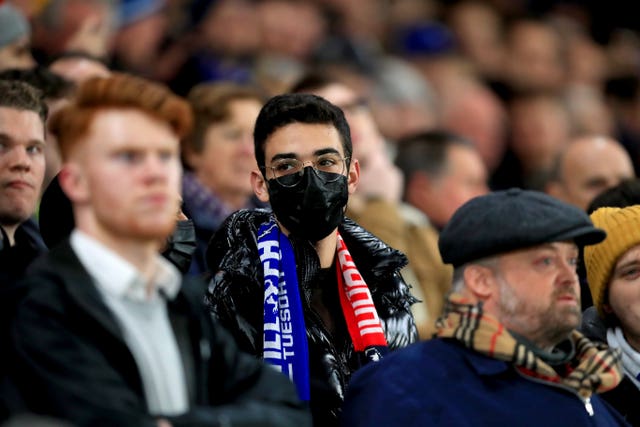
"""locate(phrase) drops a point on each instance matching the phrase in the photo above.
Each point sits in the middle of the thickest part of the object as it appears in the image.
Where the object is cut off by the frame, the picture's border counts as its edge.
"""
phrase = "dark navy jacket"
(442, 383)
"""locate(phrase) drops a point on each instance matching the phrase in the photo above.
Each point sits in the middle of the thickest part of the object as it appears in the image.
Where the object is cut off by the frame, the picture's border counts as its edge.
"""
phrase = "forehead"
(337, 94)
(302, 140)
(21, 124)
(600, 155)
(129, 127)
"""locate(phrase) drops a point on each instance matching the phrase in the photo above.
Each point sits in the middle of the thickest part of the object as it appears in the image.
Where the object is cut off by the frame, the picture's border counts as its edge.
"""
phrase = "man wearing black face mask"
(303, 287)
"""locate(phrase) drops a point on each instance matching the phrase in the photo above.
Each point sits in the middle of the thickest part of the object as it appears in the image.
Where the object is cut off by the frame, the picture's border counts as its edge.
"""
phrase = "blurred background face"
(540, 129)
(129, 184)
(365, 137)
(534, 57)
(17, 55)
(590, 166)
(464, 178)
(227, 157)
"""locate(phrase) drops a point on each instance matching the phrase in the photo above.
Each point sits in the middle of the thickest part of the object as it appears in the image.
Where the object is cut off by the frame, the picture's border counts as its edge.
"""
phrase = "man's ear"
(554, 189)
(259, 185)
(418, 186)
(354, 175)
(74, 183)
(480, 281)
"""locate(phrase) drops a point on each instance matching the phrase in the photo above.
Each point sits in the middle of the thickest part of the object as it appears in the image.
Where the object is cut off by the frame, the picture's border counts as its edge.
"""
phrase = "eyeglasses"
(289, 172)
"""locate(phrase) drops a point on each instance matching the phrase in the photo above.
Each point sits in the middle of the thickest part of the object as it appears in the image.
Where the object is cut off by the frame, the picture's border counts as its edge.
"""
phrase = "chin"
(154, 231)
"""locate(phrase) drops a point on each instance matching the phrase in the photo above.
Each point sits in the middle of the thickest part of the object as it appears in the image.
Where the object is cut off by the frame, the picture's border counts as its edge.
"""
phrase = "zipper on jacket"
(586, 401)
(588, 406)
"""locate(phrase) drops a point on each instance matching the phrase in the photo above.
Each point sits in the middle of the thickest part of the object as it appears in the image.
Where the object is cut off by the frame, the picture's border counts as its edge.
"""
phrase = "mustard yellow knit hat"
(623, 232)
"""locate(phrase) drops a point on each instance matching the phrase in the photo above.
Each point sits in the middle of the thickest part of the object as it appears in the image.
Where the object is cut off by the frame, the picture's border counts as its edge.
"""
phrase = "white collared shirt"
(143, 318)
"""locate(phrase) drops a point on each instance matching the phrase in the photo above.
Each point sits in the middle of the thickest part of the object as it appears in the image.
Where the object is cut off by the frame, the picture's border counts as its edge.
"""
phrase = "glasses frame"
(344, 161)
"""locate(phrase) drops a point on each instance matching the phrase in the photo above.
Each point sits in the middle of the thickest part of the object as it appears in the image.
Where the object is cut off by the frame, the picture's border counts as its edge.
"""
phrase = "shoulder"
(238, 233)
(433, 359)
(369, 250)
(592, 326)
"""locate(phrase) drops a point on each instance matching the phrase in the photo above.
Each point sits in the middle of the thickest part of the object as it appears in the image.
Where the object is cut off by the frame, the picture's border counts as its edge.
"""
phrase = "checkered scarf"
(595, 368)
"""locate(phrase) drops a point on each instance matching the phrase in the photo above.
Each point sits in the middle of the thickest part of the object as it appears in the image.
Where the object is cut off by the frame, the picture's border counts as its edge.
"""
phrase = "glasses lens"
(290, 180)
(332, 165)
(289, 172)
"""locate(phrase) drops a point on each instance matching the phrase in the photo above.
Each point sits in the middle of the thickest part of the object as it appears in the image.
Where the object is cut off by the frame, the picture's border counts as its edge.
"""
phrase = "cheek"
(212, 157)
(623, 297)
(39, 166)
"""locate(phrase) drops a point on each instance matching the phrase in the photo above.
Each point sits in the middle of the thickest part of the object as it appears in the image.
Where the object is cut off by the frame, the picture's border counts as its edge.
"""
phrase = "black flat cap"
(503, 221)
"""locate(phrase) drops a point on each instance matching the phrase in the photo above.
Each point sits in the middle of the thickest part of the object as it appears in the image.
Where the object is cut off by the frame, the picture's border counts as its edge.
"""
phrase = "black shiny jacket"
(236, 297)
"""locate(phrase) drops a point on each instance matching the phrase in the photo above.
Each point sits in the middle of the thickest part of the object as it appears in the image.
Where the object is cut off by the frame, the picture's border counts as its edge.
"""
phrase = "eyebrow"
(5, 137)
(316, 153)
(625, 265)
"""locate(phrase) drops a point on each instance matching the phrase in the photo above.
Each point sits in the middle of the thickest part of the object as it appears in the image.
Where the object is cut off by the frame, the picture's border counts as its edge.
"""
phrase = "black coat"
(236, 295)
(71, 360)
(14, 260)
(625, 398)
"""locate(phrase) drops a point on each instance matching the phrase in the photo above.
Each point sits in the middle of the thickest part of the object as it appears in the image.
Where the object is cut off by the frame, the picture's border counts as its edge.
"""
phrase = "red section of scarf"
(359, 311)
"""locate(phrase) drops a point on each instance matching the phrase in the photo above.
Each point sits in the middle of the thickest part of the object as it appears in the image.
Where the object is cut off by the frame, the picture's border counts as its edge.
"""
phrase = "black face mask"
(181, 245)
(312, 208)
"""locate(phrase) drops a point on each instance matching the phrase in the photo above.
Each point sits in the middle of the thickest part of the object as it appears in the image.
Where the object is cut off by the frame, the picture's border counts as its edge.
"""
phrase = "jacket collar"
(81, 288)
(370, 253)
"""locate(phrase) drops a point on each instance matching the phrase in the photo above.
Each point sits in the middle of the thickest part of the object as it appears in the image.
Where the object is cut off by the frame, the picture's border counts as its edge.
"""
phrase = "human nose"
(19, 158)
(568, 271)
(156, 166)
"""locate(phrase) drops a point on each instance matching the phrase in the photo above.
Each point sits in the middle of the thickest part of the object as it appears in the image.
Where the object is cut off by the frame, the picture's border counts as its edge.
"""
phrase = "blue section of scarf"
(285, 339)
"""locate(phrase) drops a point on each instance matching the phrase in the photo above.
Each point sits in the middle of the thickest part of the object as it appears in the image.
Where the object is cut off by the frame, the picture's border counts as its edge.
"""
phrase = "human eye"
(630, 273)
(166, 155)
(328, 162)
(34, 149)
(286, 166)
(128, 156)
(233, 134)
(544, 261)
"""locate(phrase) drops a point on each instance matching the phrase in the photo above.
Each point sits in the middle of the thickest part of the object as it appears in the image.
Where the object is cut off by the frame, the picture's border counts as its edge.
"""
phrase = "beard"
(545, 326)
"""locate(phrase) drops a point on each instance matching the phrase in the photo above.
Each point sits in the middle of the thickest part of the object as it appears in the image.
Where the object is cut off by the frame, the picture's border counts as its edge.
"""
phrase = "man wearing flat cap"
(507, 352)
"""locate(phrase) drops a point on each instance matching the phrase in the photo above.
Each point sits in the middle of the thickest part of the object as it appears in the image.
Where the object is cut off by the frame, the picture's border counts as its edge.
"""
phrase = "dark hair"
(311, 82)
(282, 110)
(626, 193)
(427, 152)
(22, 96)
(49, 83)
(623, 88)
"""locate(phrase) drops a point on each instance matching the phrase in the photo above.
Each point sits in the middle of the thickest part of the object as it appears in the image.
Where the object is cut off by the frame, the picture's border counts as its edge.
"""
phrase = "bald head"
(588, 166)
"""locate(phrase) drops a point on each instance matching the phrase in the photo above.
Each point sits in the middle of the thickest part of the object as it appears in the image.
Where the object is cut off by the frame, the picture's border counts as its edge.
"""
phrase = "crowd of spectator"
(348, 127)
